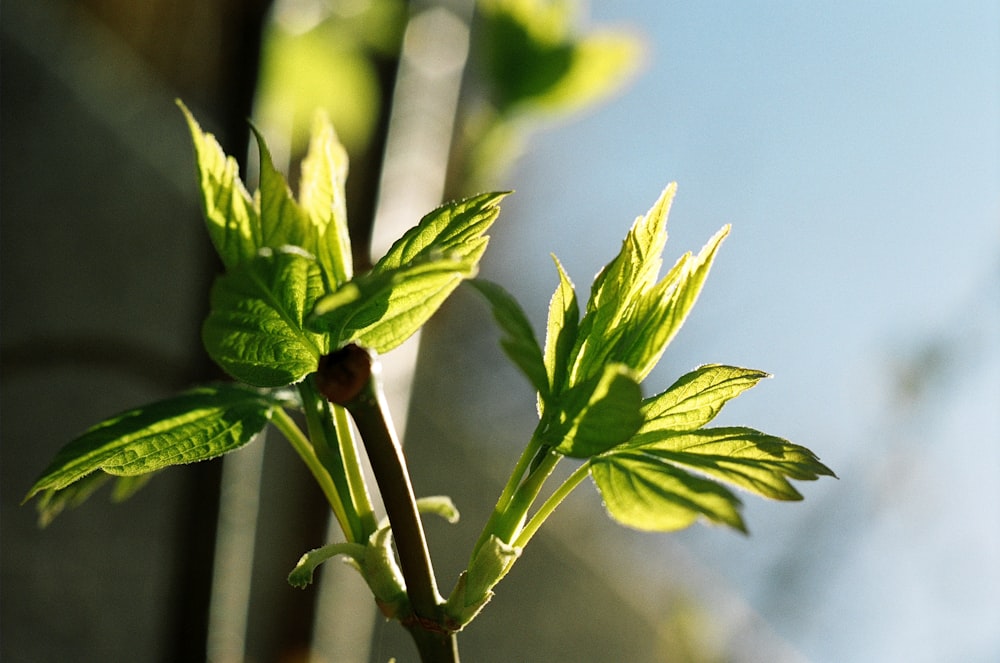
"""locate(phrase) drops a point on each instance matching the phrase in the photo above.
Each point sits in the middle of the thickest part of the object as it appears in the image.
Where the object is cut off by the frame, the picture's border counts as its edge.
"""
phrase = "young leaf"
(597, 414)
(197, 425)
(381, 309)
(255, 330)
(282, 221)
(561, 330)
(695, 398)
(455, 230)
(321, 195)
(617, 289)
(232, 219)
(647, 493)
(519, 342)
(743, 457)
(666, 317)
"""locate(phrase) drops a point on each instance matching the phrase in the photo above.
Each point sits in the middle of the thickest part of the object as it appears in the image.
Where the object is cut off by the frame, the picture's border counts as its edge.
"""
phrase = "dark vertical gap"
(196, 529)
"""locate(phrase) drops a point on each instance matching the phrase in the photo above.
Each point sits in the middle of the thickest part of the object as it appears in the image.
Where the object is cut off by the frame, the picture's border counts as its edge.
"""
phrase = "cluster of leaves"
(654, 461)
(289, 296)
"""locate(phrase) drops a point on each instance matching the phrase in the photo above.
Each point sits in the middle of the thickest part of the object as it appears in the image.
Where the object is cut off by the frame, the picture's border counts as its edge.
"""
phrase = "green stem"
(284, 423)
(523, 463)
(355, 477)
(554, 500)
(509, 526)
(323, 434)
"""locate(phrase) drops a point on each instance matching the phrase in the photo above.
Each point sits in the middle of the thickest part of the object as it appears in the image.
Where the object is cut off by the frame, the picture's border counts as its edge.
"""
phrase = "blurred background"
(855, 148)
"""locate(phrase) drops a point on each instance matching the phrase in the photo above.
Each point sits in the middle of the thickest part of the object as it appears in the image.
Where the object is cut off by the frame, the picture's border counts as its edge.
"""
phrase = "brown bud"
(343, 374)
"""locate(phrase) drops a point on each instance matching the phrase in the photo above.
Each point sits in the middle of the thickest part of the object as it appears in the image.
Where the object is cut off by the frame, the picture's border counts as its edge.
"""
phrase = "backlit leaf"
(255, 330)
(743, 457)
(647, 493)
(379, 310)
(321, 195)
(561, 330)
(197, 425)
(232, 219)
(597, 414)
(454, 230)
(519, 341)
(695, 398)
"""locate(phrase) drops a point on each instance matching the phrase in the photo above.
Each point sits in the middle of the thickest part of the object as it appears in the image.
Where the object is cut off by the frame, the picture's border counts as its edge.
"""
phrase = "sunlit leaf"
(233, 221)
(255, 330)
(519, 341)
(561, 330)
(282, 221)
(645, 492)
(696, 397)
(454, 230)
(616, 291)
(197, 425)
(743, 457)
(321, 195)
(381, 309)
(597, 414)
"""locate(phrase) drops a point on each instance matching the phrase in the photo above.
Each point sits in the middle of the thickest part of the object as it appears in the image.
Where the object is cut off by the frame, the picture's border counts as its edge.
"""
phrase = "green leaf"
(596, 415)
(695, 398)
(454, 230)
(645, 492)
(379, 310)
(618, 288)
(321, 195)
(197, 425)
(519, 341)
(660, 315)
(532, 58)
(319, 223)
(631, 317)
(255, 330)
(282, 221)
(743, 457)
(561, 330)
(232, 219)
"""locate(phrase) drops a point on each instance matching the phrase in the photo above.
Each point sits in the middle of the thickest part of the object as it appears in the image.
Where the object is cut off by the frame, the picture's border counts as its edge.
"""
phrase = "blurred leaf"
(327, 62)
(533, 59)
(596, 415)
(197, 425)
(230, 213)
(519, 342)
(255, 330)
(695, 398)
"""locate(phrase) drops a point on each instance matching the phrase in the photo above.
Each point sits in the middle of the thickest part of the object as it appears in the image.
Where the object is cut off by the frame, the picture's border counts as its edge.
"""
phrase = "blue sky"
(855, 148)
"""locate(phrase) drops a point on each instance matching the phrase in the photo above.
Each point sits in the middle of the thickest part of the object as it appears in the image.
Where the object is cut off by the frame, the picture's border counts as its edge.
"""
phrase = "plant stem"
(509, 526)
(554, 500)
(284, 423)
(322, 432)
(523, 463)
(350, 377)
